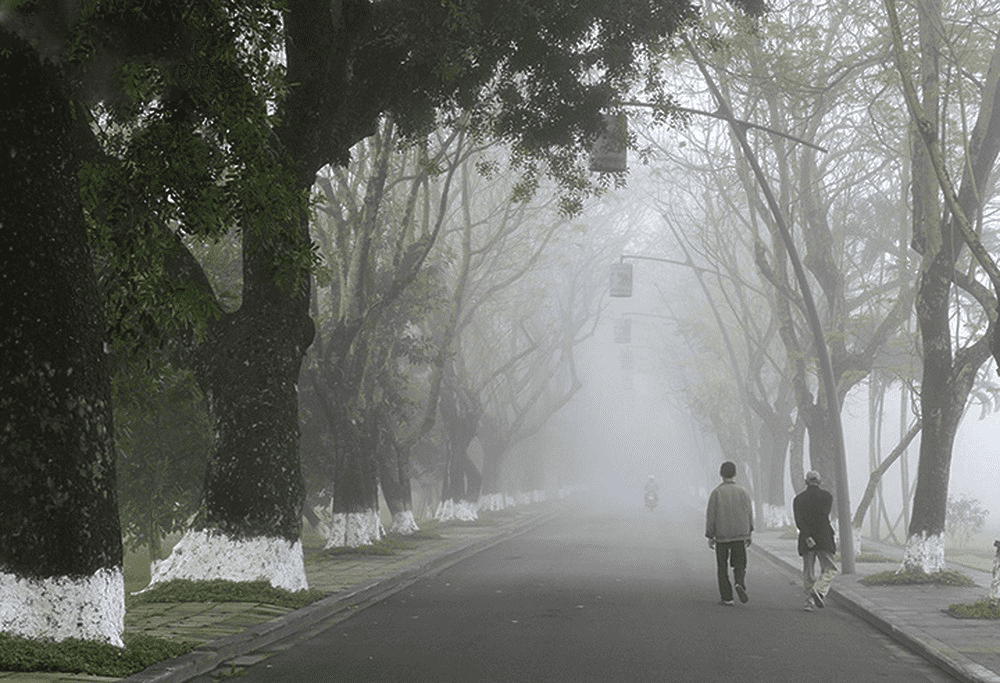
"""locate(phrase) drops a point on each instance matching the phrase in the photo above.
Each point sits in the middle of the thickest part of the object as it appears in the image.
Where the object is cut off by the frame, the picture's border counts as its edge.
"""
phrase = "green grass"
(981, 609)
(86, 657)
(917, 577)
(181, 590)
(387, 545)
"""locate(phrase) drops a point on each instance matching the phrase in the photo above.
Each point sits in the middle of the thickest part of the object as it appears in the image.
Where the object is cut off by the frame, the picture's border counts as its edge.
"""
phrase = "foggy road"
(605, 595)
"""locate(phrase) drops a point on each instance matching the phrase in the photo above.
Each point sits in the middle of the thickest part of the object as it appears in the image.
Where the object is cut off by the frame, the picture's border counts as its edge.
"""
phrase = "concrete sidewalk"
(228, 630)
(968, 649)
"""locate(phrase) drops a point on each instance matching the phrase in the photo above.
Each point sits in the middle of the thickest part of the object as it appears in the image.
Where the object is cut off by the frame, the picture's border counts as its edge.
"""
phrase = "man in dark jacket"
(812, 517)
(728, 527)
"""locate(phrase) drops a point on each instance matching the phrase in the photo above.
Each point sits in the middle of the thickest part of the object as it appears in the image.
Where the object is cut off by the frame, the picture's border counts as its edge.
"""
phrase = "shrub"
(982, 609)
(918, 577)
(182, 590)
(964, 517)
(88, 657)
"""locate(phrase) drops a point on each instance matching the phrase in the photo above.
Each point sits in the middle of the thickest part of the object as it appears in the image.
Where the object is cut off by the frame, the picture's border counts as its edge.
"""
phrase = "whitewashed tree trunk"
(404, 524)
(924, 552)
(492, 502)
(88, 608)
(354, 529)
(995, 584)
(210, 555)
(776, 516)
(462, 510)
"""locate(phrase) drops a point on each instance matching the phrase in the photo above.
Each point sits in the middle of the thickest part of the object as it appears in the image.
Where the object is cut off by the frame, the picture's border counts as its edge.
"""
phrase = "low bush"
(182, 590)
(981, 609)
(87, 657)
(917, 577)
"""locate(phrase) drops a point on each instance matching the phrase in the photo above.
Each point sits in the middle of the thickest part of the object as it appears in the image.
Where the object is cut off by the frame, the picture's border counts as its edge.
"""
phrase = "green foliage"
(981, 609)
(182, 590)
(916, 577)
(164, 439)
(88, 657)
(964, 517)
(387, 545)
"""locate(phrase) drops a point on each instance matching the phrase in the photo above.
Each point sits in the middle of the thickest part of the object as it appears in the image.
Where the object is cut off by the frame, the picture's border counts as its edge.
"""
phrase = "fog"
(630, 420)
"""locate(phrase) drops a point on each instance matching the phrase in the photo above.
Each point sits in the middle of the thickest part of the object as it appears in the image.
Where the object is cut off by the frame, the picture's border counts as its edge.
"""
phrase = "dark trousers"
(732, 553)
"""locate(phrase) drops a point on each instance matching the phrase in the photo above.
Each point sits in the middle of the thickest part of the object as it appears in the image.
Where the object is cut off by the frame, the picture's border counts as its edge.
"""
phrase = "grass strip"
(981, 609)
(183, 590)
(88, 657)
(918, 577)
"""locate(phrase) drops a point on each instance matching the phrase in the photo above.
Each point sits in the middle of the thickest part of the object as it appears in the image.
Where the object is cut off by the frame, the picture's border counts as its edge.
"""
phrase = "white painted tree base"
(404, 524)
(995, 583)
(925, 553)
(89, 608)
(462, 510)
(354, 529)
(495, 502)
(776, 516)
(209, 555)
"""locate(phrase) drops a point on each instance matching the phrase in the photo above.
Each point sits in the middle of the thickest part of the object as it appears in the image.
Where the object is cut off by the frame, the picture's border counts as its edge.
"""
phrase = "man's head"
(813, 478)
(728, 470)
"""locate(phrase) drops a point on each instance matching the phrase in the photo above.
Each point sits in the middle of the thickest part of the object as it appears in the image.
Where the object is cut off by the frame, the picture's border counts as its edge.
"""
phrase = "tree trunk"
(254, 491)
(355, 485)
(60, 539)
(940, 413)
(460, 415)
(493, 453)
(394, 475)
(774, 440)
(948, 376)
(796, 469)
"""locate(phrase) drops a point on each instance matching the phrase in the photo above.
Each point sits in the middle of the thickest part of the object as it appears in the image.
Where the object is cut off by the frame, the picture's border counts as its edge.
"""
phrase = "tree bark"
(948, 376)
(58, 514)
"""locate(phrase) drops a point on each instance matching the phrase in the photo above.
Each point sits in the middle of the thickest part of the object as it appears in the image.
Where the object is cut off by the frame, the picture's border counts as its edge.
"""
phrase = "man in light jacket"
(728, 527)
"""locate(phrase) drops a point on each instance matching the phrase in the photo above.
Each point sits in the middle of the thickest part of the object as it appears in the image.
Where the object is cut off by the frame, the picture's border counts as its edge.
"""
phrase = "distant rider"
(652, 489)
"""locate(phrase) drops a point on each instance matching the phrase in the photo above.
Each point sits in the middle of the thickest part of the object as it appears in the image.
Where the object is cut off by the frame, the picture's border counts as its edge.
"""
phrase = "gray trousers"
(828, 570)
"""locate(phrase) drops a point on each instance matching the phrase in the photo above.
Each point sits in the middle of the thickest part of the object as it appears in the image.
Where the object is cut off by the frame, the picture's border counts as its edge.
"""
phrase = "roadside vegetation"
(917, 577)
(981, 609)
(88, 657)
(181, 590)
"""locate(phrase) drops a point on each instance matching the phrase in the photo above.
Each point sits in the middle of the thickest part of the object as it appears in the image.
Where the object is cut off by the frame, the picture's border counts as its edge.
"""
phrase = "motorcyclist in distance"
(652, 496)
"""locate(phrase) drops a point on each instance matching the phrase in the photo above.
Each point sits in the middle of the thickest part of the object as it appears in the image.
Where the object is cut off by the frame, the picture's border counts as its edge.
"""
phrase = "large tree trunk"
(394, 475)
(774, 440)
(940, 412)
(249, 365)
(60, 539)
(355, 486)
(248, 368)
(948, 376)
(493, 452)
(460, 414)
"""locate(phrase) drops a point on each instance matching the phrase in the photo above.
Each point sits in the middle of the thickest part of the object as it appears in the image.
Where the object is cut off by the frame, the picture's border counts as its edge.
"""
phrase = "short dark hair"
(728, 470)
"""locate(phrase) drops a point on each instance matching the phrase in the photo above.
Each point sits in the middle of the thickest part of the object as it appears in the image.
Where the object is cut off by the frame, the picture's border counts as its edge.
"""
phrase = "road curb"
(935, 651)
(209, 656)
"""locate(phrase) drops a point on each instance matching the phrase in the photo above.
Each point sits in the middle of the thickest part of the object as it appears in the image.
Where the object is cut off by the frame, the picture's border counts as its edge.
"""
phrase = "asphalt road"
(604, 595)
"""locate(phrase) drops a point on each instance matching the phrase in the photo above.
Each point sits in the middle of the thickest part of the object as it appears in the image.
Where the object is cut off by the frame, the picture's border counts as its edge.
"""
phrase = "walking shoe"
(817, 598)
(726, 603)
(742, 592)
(808, 607)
